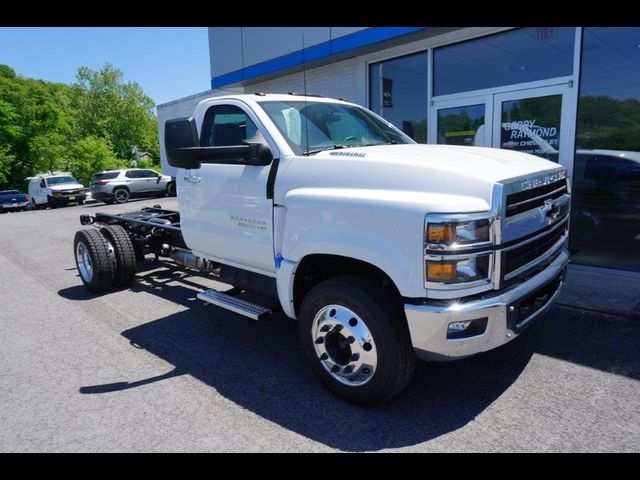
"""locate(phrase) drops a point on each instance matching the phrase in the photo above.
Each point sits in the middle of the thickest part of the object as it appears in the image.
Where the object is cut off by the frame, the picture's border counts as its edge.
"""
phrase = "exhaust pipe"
(188, 259)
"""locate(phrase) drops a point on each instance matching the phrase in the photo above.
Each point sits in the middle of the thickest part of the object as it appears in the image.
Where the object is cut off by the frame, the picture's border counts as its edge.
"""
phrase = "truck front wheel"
(355, 337)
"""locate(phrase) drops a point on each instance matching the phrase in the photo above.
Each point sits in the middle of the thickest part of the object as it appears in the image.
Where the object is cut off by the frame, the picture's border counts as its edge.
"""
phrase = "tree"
(82, 128)
(91, 155)
(114, 110)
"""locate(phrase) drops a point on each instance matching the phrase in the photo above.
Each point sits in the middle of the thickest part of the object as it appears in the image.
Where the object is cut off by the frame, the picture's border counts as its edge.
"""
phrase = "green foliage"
(116, 111)
(92, 154)
(83, 128)
(609, 123)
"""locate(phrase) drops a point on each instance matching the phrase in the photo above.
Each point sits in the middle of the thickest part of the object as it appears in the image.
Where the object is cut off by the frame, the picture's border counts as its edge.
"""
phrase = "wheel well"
(314, 269)
(123, 187)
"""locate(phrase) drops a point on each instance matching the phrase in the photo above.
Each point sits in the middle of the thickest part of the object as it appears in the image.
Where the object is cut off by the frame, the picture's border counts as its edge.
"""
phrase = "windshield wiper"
(355, 145)
(317, 150)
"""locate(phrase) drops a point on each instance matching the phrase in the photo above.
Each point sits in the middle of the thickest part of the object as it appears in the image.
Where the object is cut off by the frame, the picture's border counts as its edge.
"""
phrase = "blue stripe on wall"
(352, 41)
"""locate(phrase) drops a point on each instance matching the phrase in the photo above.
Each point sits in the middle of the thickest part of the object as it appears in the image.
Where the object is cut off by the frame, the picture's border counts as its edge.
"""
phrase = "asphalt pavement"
(151, 368)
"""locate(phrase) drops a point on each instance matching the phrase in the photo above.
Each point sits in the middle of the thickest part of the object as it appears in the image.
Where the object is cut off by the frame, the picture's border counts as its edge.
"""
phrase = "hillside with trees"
(91, 125)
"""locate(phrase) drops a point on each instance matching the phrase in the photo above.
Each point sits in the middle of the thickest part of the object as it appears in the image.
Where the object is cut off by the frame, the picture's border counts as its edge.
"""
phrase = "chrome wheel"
(344, 345)
(84, 262)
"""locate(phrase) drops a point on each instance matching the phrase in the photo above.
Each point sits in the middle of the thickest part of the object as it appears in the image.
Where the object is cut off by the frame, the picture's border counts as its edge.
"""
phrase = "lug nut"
(335, 369)
(366, 371)
(355, 357)
(324, 356)
(319, 340)
(348, 369)
(325, 328)
(351, 339)
(337, 327)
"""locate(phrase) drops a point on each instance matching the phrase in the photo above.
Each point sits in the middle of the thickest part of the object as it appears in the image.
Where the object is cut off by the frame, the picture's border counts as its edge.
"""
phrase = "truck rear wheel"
(125, 255)
(94, 260)
(355, 337)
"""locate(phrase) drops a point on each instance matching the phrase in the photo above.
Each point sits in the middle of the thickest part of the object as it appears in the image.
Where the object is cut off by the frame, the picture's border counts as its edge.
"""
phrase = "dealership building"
(568, 94)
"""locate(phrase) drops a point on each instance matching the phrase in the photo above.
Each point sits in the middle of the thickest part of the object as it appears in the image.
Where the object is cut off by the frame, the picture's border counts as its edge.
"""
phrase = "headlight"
(458, 270)
(455, 234)
(57, 194)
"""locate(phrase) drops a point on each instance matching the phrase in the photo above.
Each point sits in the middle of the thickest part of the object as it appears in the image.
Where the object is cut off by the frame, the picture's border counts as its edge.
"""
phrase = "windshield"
(310, 127)
(60, 180)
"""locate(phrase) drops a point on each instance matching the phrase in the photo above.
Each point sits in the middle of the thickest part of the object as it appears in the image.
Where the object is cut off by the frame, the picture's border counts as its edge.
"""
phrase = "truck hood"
(438, 177)
(484, 164)
(65, 187)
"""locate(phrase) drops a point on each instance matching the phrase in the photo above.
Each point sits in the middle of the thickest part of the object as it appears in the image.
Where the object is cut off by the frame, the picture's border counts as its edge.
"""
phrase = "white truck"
(55, 189)
(383, 250)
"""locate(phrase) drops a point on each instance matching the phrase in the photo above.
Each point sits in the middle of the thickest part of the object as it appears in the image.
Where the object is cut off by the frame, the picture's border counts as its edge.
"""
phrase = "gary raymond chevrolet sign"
(528, 137)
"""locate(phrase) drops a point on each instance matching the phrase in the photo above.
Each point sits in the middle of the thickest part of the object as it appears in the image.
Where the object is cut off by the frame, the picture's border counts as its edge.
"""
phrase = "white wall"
(337, 80)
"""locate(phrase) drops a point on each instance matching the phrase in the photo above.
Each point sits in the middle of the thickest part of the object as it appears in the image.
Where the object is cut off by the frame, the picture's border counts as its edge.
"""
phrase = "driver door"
(224, 211)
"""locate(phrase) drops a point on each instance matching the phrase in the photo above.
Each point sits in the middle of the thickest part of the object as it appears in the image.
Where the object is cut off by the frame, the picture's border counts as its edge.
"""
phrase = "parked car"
(55, 189)
(13, 200)
(121, 185)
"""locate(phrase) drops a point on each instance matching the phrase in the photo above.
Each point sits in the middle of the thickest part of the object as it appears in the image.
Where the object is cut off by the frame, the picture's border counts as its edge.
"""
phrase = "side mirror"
(183, 150)
(180, 138)
(42, 184)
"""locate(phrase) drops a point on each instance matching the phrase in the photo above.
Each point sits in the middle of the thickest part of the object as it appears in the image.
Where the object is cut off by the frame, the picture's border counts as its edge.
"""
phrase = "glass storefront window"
(532, 125)
(398, 92)
(606, 173)
(461, 125)
(516, 56)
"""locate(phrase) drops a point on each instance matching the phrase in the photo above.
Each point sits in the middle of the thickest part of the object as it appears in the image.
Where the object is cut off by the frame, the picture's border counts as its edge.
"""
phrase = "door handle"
(192, 178)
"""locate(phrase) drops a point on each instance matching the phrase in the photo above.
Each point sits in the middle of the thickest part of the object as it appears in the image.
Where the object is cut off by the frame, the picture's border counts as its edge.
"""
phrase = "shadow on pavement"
(260, 367)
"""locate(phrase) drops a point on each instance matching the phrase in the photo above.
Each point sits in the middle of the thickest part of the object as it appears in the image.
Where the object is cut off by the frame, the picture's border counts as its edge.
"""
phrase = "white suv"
(55, 189)
(121, 185)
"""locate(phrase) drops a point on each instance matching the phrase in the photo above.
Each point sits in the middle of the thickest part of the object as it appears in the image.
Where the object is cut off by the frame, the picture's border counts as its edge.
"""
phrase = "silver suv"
(121, 185)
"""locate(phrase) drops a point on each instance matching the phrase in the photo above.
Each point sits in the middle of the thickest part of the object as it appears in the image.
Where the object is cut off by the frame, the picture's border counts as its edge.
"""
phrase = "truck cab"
(382, 249)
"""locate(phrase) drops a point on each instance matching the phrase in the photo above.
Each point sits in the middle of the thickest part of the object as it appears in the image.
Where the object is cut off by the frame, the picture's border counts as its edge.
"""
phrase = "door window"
(532, 125)
(226, 125)
(462, 125)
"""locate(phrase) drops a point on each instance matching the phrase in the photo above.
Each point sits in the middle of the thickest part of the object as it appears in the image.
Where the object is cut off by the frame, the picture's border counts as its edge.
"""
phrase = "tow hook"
(87, 219)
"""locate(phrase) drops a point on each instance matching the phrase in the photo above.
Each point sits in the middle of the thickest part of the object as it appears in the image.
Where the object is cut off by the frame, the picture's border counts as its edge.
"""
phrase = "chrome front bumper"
(428, 324)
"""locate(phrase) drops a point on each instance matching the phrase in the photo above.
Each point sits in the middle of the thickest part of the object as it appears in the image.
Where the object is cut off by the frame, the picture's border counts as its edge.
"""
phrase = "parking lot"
(151, 368)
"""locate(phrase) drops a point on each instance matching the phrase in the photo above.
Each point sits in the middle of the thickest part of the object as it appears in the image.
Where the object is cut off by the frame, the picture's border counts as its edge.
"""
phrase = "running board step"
(237, 305)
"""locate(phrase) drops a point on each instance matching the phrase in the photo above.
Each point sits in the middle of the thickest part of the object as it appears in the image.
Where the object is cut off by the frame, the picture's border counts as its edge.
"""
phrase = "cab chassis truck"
(383, 250)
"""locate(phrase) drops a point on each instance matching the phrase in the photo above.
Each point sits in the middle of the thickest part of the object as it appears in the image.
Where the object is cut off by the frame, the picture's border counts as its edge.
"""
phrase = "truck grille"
(520, 256)
(535, 197)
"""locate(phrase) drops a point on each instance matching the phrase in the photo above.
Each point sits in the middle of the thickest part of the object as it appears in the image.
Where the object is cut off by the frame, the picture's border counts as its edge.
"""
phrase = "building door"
(532, 120)
(463, 121)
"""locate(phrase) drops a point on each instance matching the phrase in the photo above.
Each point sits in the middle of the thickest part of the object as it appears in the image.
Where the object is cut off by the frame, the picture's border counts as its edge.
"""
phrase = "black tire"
(80, 202)
(125, 254)
(385, 320)
(171, 189)
(121, 195)
(34, 205)
(109, 202)
(102, 264)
